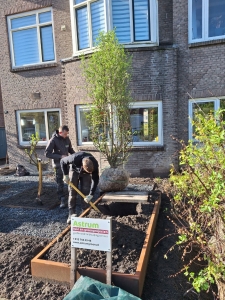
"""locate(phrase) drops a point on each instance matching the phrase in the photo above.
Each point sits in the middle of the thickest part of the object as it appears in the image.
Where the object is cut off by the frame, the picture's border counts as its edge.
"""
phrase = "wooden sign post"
(93, 234)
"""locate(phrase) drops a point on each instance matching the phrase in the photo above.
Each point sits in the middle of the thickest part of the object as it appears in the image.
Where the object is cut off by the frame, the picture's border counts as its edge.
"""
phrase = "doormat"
(27, 199)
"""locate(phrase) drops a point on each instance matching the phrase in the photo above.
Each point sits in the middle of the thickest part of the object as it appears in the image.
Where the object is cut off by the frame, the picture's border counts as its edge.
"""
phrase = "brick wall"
(200, 67)
(18, 86)
(154, 78)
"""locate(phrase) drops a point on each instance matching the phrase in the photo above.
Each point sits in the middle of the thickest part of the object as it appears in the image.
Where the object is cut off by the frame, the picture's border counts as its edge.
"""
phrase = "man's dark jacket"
(57, 147)
(76, 161)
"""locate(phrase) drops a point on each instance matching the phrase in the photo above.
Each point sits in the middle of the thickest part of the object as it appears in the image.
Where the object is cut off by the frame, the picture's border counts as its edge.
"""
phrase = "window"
(84, 128)
(135, 21)
(31, 38)
(145, 120)
(206, 20)
(44, 122)
(205, 106)
(146, 123)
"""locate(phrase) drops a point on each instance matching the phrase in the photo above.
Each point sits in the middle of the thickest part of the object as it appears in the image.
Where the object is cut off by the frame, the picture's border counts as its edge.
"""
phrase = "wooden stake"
(73, 268)
(109, 257)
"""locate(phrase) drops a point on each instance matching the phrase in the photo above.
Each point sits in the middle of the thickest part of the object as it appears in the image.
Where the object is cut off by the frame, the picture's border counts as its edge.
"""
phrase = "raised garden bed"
(133, 231)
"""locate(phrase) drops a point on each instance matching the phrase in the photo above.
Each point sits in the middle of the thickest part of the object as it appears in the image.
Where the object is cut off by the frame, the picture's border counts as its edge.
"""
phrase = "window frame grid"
(140, 104)
(205, 24)
(73, 9)
(216, 102)
(153, 24)
(45, 111)
(38, 25)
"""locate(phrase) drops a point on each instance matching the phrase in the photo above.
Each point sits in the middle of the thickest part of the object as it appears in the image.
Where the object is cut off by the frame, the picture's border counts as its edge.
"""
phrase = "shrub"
(198, 193)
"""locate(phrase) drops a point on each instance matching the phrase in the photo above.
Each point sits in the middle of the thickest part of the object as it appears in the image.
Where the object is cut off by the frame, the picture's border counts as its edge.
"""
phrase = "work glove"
(88, 198)
(66, 179)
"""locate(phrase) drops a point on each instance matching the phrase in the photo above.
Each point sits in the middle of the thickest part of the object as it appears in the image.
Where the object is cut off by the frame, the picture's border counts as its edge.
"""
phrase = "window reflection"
(216, 18)
(144, 124)
(32, 122)
(196, 19)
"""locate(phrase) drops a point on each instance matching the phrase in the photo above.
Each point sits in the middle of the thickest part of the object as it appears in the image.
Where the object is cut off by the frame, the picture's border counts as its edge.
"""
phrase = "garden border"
(60, 272)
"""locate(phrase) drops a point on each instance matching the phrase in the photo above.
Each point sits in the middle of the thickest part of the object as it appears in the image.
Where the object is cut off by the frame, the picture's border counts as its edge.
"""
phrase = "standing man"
(84, 170)
(58, 147)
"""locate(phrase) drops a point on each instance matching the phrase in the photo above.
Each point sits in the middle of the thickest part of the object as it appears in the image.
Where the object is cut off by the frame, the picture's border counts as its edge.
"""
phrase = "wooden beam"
(126, 196)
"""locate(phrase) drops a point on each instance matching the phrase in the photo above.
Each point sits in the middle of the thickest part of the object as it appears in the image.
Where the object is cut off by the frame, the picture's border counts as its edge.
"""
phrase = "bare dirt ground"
(17, 251)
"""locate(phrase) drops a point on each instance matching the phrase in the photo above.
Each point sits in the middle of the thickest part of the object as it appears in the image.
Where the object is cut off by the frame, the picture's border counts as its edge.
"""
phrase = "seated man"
(84, 170)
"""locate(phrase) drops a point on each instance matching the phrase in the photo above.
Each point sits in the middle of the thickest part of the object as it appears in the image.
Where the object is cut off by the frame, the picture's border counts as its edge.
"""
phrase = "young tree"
(199, 202)
(107, 74)
(34, 160)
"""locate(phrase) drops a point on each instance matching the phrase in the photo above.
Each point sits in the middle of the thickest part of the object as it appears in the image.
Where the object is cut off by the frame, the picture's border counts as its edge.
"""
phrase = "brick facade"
(2, 122)
(172, 72)
(18, 85)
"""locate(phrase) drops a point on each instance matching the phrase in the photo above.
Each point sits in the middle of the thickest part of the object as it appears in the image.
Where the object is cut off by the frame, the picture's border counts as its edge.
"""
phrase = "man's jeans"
(85, 185)
(60, 183)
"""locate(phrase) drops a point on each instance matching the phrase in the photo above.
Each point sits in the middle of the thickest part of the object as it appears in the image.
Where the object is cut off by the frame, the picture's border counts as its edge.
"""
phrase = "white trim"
(37, 25)
(205, 24)
(139, 104)
(45, 111)
(216, 102)
(149, 104)
(153, 19)
(80, 108)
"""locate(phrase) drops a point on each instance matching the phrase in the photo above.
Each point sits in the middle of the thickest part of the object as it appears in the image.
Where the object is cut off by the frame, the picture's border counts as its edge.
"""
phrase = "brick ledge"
(35, 67)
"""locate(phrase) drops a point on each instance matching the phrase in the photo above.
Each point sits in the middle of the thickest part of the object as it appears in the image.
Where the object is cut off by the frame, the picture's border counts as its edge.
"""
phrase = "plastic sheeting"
(89, 289)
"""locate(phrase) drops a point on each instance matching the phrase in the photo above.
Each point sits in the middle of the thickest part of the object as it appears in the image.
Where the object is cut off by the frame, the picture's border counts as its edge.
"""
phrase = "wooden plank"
(127, 192)
(124, 196)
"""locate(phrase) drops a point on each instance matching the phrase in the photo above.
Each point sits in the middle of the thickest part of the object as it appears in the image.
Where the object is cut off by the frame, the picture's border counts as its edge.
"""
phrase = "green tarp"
(89, 289)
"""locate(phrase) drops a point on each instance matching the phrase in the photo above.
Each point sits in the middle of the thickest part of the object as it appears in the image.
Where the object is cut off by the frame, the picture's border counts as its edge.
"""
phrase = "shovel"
(82, 195)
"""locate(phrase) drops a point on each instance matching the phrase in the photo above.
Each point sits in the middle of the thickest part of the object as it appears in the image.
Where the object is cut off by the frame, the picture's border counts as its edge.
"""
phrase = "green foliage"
(31, 152)
(107, 73)
(199, 200)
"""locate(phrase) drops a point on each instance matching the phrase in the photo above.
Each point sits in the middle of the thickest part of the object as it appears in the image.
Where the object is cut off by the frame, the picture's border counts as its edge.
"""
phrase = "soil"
(160, 282)
(128, 234)
(28, 199)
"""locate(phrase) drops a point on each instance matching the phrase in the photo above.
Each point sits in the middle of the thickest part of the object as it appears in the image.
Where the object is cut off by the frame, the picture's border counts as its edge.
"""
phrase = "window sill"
(87, 148)
(206, 43)
(133, 149)
(147, 148)
(28, 146)
(34, 67)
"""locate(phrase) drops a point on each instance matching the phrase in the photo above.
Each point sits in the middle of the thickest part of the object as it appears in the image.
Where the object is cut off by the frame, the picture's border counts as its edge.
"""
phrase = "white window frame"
(45, 111)
(37, 25)
(216, 102)
(205, 26)
(149, 104)
(109, 25)
(140, 104)
(80, 108)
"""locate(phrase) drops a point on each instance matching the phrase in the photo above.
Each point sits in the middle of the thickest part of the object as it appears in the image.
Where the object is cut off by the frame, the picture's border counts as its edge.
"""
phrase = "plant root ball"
(113, 179)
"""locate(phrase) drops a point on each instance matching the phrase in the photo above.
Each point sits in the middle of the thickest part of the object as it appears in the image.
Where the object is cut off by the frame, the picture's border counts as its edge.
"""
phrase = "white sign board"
(94, 234)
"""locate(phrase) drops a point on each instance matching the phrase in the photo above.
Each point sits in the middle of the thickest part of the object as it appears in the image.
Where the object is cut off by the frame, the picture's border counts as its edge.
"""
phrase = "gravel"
(32, 222)
(36, 222)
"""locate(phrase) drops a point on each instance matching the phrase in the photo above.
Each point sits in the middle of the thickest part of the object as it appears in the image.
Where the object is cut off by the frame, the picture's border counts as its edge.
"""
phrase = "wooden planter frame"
(60, 272)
